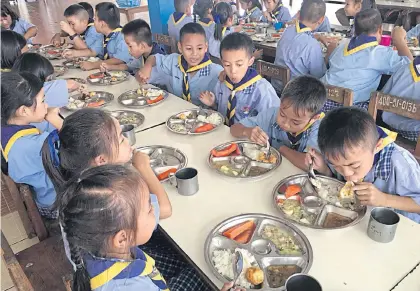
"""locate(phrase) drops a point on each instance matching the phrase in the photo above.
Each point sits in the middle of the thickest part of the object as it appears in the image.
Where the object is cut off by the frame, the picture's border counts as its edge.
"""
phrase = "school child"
(359, 63)
(298, 49)
(325, 25)
(276, 11)
(115, 50)
(358, 151)
(11, 20)
(12, 46)
(414, 32)
(88, 8)
(404, 83)
(253, 10)
(244, 92)
(22, 100)
(191, 73)
(351, 8)
(179, 18)
(292, 127)
(81, 30)
(203, 9)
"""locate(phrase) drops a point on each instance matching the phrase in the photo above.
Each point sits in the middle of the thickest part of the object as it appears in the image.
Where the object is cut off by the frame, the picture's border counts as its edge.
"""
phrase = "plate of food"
(164, 160)
(249, 31)
(323, 203)
(244, 160)
(78, 80)
(74, 63)
(143, 97)
(127, 117)
(195, 121)
(92, 99)
(415, 51)
(108, 78)
(272, 250)
(60, 70)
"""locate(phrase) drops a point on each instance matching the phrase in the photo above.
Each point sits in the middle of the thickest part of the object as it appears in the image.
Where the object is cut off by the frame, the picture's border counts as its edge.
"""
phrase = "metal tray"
(189, 120)
(163, 158)
(75, 63)
(60, 70)
(136, 99)
(316, 215)
(415, 51)
(106, 80)
(99, 95)
(244, 166)
(78, 80)
(263, 250)
(137, 118)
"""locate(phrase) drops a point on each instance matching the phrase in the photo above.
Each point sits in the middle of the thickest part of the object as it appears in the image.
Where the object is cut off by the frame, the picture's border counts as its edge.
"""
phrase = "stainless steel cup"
(302, 282)
(186, 181)
(128, 132)
(383, 224)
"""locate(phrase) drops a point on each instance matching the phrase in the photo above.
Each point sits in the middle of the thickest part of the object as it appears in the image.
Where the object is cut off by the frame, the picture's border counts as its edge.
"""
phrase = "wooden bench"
(130, 11)
(270, 70)
(340, 95)
(167, 41)
(406, 107)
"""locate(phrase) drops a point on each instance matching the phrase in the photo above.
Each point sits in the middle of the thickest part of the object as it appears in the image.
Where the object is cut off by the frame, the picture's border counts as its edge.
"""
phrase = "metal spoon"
(311, 172)
(268, 150)
(238, 265)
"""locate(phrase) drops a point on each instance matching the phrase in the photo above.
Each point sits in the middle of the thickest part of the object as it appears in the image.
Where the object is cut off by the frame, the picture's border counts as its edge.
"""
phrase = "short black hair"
(201, 7)
(305, 93)
(108, 13)
(34, 64)
(139, 30)
(237, 41)
(76, 10)
(6, 9)
(181, 5)
(344, 128)
(12, 44)
(192, 28)
(312, 10)
(88, 8)
(368, 21)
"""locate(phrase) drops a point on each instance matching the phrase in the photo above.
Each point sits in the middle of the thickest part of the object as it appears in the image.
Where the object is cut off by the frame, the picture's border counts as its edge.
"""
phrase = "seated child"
(12, 46)
(244, 92)
(298, 49)
(115, 50)
(11, 20)
(351, 8)
(203, 9)
(414, 32)
(276, 11)
(191, 73)
(81, 30)
(292, 127)
(253, 10)
(404, 83)
(359, 63)
(359, 151)
(22, 100)
(88, 8)
(179, 18)
(109, 214)
(323, 27)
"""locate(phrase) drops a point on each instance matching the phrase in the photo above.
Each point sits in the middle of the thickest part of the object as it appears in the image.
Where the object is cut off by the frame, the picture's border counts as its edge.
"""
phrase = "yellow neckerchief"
(224, 31)
(386, 137)
(301, 27)
(107, 39)
(360, 42)
(310, 123)
(90, 24)
(179, 20)
(415, 69)
(208, 23)
(249, 12)
(277, 10)
(5, 70)
(183, 66)
(15, 137)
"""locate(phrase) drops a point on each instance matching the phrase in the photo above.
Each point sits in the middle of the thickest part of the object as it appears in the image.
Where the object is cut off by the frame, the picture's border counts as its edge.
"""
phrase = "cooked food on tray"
(85, 100)
(277, 275)
(283, 241)
(108, 77)
(336, 220)
(255, 276)
(241, 233)
(230, 149)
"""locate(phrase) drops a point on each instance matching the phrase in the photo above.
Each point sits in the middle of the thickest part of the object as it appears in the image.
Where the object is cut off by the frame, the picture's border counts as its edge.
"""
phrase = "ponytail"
(221, 14)
(81, 279)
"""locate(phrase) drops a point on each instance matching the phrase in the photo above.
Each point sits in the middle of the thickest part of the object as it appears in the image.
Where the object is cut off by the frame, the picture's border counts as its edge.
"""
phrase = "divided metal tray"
(96, 97)
(316, 208)
(111, 79)
(60, 70)
(187, 121)
(126, 117)
(263, 249)
(136, 99)
(74, 63)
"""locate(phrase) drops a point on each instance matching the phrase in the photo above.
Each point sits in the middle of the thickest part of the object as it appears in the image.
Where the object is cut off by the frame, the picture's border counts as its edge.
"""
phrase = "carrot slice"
(245, 237)
(292, 190)
(164, 175)
(96, 104)
(236, 230)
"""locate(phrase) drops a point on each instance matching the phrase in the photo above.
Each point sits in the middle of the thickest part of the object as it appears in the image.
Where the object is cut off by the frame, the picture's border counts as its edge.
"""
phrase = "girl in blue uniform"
(253, 10)
(12, 46)
(10, 20)
(203, 9)
(277, 12)
(23, 103)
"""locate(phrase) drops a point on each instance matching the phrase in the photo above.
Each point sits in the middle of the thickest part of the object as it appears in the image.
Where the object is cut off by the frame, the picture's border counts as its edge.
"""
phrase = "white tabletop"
(344, 259)
(399, 4)
(411, 282)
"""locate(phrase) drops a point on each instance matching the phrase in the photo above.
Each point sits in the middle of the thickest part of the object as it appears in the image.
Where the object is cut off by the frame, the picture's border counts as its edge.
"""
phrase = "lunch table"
(411, 282)
(412, 5)
(345, 259)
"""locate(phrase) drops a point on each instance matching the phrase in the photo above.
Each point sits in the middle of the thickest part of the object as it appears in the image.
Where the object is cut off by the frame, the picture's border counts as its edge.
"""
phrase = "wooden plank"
(340, 95)
(33, 212)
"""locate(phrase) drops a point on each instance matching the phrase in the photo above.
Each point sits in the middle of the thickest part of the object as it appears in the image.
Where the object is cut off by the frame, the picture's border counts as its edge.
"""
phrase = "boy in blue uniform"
(190, 73)
(244, 92)
(10, 20)
(115, 50)
(359, 63)
(276, 12)
(80, 28)
(298, 49)
(404, 83)
(203, 9)
(414, 32)
(360, 152)
(293, 127)
(179, 18)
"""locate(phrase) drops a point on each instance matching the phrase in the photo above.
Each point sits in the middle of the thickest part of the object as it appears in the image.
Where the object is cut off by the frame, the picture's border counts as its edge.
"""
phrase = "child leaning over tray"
(379, 172)
(293, 127)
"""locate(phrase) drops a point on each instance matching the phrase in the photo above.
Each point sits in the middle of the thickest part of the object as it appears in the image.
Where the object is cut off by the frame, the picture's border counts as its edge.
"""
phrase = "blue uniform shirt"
(324, 26)
(414, 32)
(21, 26)
(94, 40)
(135, 64)
(255, 14)
(359, 63)
(208, 26)
(300, 52)
(282, 14)
(404, 83)
(267, 121)
(204, 80)
(214, 44)
(117, 48)
(176, 21)
(56, 93)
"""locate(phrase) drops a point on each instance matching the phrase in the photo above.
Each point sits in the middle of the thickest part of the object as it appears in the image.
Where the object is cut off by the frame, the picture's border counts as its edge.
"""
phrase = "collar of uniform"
(11, 133)
(206, 21)
(177, 17)
(415, 69)
(90, 24)
(385, 148)
(278, 9)
(203, 66)
(113, 33)
(359, 43)
(300, 27)
(247, 84)
(224, 29)
(157, 49)
(249, 12)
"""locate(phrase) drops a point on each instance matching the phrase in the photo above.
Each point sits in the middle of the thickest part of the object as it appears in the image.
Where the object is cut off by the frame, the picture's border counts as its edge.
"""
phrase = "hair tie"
(80, 265)
(53, 145)
(216, 18)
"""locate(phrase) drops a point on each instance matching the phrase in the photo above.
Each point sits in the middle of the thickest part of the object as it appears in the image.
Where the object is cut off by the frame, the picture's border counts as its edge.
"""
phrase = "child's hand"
(398, 35)
(68, 54)
(368, 194)
(52, 114)
(257, 135)
(227, 286)
(318, 161)
(87, 66)
(207, 98)
(104, 67)
(222, 76)
(66, 28)
(143, 75)
(258, 54)
(56, 40)
(141, 161)
(238, 28)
